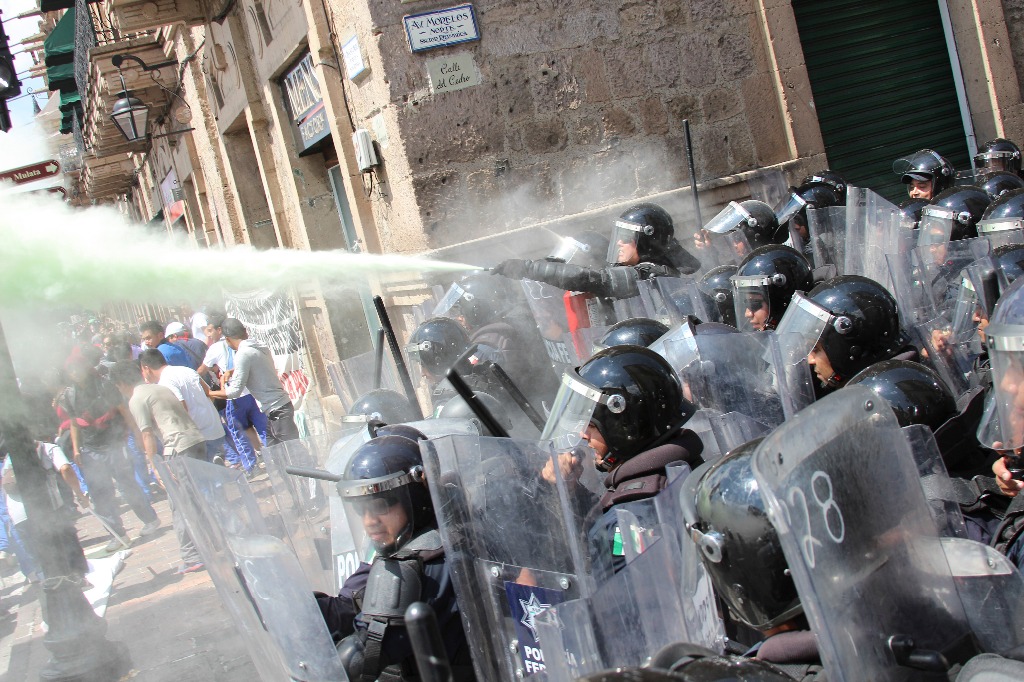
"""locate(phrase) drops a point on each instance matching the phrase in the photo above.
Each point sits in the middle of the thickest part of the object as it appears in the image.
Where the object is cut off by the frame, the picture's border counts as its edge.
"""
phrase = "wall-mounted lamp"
(130, 114)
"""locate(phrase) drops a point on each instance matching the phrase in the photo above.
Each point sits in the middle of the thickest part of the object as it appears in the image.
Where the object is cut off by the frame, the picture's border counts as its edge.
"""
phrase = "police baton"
(475, 404)
(427, 647)
(120, 538)
(693, 173)
(504, 380)
(396, 353)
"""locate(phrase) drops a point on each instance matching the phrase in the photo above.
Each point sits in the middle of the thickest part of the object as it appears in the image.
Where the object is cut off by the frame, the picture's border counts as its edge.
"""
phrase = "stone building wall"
(581, 103)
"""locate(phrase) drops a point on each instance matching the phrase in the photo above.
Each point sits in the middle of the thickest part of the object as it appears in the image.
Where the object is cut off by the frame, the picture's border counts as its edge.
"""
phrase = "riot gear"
(842, 326)
(458, 408)
(1005, 338)
(815, 195)
(999, 183)
(1004, 214)
(926, 165)
(437, 344)
(641, 234)
(716, 285)
(1010, 260)
(914, 392)
(767, 278)
(381, 405)
(999, 154)
(586, 248)
(637, 331)
(478, 299)
(953, 215)
(911, 210)
(739, 545)
(755, 219)
(629, 393)
(830, 178)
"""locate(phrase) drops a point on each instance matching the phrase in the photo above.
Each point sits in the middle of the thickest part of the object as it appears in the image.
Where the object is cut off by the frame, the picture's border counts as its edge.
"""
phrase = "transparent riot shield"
(356, 376)
(257, 576)
(559, 313)
(345, 556)
(583, 343)
(670, 300)
(728, 373)
(991, 590)
(787, 351)
(951, 358)
(301, 513)
(943, 266)
(935, 481)
(874, 229)
(840, 484)
(975, 299)
(732, 430)
(513, 516)
(826, 229)
(1002, 231)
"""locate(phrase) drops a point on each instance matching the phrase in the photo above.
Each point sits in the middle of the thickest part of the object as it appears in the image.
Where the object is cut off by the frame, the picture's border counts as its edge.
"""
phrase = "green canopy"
(59, 46)
(62, 78)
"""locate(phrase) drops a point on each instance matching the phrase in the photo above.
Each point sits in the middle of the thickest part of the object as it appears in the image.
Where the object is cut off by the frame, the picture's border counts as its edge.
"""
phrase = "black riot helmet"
(1003, 214)
(739, 545)
(864, 325)
(716, 287)
(998, 154)
(380, 405)
(587, 248)
(769, 276)
(755, 218)
(1010, 260)
(458, 408)
(830, 179)
(914, 392)
(926, 165)
(636, 331)
(814, 195)
(437, 344)
(956, 211)
(911, 210)
(645, 228)
(383, 473)
(630, 393)
(484, 299)
(998, 183)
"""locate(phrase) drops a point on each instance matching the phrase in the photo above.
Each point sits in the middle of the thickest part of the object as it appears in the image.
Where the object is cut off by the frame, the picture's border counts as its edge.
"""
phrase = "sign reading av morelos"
(36, 171)
(441, 27)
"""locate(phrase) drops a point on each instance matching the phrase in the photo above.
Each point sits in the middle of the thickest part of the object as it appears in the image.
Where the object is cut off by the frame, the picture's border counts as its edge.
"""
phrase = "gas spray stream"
(55, 254)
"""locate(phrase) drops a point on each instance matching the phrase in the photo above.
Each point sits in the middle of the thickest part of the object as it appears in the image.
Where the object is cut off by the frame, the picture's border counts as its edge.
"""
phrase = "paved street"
(174, 626)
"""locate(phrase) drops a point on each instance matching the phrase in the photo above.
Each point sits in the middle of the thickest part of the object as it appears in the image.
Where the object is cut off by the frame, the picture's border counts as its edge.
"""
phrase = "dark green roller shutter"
(883, 86)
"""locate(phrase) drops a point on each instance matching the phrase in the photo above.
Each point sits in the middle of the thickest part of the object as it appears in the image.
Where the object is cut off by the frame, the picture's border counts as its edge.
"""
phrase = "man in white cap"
(194, 349)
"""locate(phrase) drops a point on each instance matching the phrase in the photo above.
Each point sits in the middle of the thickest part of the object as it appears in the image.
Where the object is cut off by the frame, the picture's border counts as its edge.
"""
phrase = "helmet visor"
(936, 226)
(966, 312)
(379, 511)
(572, 411)
(1002, 231)
(420, 358)
(996, 160)
(793, 205)
(751, 299)
(566, 250)
(801, 328)
(1006, 350)
(448, 302)
(623, 246)
(729, 219)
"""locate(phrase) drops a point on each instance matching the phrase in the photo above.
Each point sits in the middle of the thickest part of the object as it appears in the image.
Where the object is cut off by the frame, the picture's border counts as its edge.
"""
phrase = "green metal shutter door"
(883, 86)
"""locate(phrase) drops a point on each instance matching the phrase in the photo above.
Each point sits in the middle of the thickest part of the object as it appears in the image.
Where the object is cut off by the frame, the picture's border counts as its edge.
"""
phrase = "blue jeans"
(101, 468)
(215, 448)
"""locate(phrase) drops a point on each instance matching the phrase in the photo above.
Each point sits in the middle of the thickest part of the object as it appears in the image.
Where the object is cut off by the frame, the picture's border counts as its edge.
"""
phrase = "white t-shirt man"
(186, 385)
(198, 323)
(222, 357)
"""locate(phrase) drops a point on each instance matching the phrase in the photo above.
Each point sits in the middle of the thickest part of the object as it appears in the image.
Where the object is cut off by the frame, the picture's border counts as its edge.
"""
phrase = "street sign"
(31, 173)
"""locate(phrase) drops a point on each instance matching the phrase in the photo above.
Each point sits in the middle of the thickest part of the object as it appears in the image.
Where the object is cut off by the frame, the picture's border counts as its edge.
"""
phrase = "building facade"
(473, 132)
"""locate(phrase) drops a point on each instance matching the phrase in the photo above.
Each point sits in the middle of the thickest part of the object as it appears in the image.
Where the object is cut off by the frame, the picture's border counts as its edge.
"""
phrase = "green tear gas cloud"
(52, 253)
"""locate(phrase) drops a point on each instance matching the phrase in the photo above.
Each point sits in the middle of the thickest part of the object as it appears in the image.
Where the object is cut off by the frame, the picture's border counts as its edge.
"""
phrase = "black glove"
(513, 268)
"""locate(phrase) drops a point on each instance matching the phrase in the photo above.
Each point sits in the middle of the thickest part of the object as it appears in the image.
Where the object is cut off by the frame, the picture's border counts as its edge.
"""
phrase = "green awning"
(59, 46)
(53, 5)
(69, 100)
(62, 78)
(67, 121)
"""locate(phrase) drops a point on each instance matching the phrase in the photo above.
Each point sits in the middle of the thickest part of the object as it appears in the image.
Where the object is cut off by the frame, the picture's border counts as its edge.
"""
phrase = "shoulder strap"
(183, 346)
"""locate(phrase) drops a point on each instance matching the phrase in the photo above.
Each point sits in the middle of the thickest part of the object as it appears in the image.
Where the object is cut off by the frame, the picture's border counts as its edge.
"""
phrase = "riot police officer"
(636, 331)
(765, 282)
(844, 325)
(388, 507)
(999, 154)
(998, 183)
(746, 225)
(716, 287)
(954, 213)
(926, 173)
(1003, 220)
(642, 246)
(380, 405)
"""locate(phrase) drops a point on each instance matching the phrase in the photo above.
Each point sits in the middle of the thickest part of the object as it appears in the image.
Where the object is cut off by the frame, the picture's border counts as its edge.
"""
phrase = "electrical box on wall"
(366, 157)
